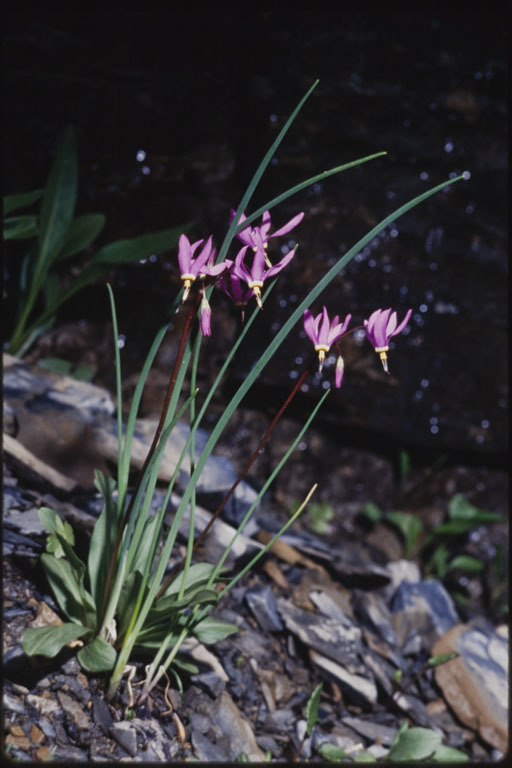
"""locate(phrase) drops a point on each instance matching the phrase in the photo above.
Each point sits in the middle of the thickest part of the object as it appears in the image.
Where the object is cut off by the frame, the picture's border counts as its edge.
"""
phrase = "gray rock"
(126, 736)
(209, 682)
(206, 751)
(13, 703)
(476, 683)
(263, 606)
(421, 613)
(328, 637)
(371, 730)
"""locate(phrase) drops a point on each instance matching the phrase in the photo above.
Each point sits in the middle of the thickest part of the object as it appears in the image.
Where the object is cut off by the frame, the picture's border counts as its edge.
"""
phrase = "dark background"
(203, 93)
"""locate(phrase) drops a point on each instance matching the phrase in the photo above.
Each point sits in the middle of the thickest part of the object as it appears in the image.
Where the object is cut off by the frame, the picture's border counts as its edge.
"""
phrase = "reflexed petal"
(289, 226)
(310, 326)
(281, 264)
(404, 322)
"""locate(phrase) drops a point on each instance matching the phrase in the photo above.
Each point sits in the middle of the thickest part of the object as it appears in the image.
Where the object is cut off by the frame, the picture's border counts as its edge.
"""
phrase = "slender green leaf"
(97, 656)
(332, 753)
(198, 574)
(312, 709)
(410, 527)
(20, 227)
(372, 512)
(364, 757)
(212, 630)
(454, 528)
(48, 641)
(127, 600)
(137, 248)
(466, 563)
(56, 365)
(259, 173)
(441, 658)
(23, 200)
(449, 755)
(460, 509)
(171, 603)
(102, 540)
(58, 201)
(81, 233)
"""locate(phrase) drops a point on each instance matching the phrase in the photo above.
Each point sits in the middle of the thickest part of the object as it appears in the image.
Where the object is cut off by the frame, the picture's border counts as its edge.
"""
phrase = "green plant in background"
(58, 238)
(439, 549)
(320, 513)
(125, 601)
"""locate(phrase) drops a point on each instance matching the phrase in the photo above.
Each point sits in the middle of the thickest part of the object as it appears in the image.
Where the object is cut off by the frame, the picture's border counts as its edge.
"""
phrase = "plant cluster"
(126, 600)
(57, 238)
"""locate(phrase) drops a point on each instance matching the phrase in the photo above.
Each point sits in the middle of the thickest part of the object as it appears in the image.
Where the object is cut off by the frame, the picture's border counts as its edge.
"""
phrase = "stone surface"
(475, 684)
(421, 613)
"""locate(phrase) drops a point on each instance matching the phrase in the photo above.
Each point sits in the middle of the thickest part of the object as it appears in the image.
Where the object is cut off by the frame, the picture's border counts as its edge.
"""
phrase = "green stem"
(177, 364)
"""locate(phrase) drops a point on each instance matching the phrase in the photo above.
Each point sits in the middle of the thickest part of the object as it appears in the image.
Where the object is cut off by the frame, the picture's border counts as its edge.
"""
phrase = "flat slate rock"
(475, 684)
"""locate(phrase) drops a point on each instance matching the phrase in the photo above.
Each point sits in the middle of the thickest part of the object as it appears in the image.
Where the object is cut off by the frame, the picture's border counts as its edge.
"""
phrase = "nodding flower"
(200, 266)
(323, 333)
(380, 327)
(231, 284)
(257, 274)
(258, 237)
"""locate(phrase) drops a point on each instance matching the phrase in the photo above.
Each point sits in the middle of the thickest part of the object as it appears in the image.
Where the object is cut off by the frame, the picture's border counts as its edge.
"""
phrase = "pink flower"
(256, 237)
(206, 314)
(200, 266)
(380, 327)
(323, 333)
(257, 274)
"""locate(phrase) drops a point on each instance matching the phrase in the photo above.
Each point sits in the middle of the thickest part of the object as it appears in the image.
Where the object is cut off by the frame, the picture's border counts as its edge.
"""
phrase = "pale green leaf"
(20, 227)
(98, 656)
(312, 709)
(81, 233)
(212, 630)
(414, 744)
(48, 641)
(23, 200)
(137, 248)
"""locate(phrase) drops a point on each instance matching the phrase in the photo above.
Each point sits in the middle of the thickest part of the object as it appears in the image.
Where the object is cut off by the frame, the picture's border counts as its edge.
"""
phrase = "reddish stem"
(240, 477)
(170, 389)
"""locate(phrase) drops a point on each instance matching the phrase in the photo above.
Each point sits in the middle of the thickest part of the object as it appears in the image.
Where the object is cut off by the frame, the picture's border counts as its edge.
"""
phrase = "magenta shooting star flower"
(258, 237)
(380, 327)
(257, 274)
(201, 265)
(231, 284)
(324, 333)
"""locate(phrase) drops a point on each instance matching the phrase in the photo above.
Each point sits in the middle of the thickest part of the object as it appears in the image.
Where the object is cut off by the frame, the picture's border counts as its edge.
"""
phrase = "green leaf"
(320, 513)
(20, 227)
(191, 597)
(410, 527)
(453, 528)
(198, 574)
(58, 201)
(98, 656)
(442, 658)
(372, 512)
(65, 583)
(449, 755)
(127, 599)
(23, 200)
(48, 641)
(56, 365)
(312, 709)
(57, 527)
(212, 630)
(80, 234)
(103, 538)
(136, 248)
(364, 757)
(414, 744)
(332, 753)
(460, 509)
(466, 563)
